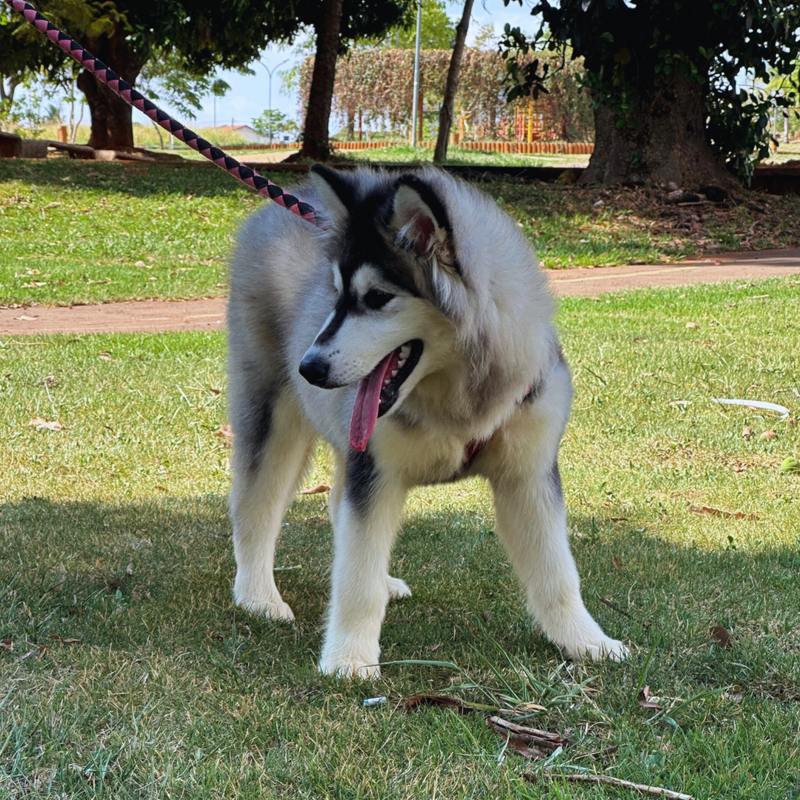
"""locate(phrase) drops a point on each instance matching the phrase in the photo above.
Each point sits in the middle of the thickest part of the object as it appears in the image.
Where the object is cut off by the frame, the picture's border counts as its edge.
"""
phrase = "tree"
(164, 79)
(274, 122)
(24, 53)
(436, 29)
(663, 77)
(336, 23)
(448, 103)
(373, 86)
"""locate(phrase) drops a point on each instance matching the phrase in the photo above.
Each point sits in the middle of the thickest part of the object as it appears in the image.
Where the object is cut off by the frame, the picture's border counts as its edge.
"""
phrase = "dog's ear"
(420, 220)
(336, 190)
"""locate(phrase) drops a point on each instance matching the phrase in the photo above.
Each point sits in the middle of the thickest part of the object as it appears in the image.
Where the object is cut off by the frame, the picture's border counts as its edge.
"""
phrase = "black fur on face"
(362, 232)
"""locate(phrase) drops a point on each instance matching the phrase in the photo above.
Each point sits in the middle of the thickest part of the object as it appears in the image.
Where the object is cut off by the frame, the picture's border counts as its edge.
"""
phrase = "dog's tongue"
(366, 406)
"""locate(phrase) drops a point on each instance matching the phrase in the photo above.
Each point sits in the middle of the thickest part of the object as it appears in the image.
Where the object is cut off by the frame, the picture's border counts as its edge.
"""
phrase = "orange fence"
(568, 148)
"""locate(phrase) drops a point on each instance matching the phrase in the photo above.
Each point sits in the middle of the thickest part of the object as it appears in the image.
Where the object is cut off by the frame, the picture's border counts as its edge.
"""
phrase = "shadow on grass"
(157, 575)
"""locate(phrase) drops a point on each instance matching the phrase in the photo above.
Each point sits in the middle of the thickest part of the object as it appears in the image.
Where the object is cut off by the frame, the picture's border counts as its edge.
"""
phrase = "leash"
(137, 100)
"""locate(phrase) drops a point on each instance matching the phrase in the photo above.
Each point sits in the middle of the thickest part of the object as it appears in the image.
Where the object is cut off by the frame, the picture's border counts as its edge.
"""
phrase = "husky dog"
(415, 335)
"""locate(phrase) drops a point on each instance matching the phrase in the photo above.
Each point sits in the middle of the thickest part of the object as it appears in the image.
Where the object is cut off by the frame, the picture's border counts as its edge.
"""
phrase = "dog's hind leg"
(522, 467)
(273, 445)
(366, 516)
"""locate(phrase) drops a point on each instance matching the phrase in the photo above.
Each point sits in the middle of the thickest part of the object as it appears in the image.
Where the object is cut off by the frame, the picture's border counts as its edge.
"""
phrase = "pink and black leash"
(138, 100)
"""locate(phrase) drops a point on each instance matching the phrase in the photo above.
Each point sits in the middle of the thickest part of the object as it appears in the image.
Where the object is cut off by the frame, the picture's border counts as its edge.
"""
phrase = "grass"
(461, 156)
(82, 232)
(787, 151)
(133, 675)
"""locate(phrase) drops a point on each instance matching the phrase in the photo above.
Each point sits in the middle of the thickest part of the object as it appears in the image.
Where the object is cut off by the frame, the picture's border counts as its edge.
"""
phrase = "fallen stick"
(653, 791)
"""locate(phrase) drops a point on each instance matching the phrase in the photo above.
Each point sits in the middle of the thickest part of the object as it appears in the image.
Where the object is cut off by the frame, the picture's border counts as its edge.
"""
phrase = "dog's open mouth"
(378, 392)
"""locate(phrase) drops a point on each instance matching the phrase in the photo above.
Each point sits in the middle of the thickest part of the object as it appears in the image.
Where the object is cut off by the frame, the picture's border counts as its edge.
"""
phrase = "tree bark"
(320, 96)
(7, 91)
(112, 117)
(663, 139)
(451, 86)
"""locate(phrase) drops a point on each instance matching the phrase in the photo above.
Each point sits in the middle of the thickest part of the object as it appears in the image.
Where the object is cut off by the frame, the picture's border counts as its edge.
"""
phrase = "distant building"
(247, 133)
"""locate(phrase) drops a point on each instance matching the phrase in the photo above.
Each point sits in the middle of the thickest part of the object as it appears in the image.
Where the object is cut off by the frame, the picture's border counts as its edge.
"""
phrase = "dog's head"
(395, 272)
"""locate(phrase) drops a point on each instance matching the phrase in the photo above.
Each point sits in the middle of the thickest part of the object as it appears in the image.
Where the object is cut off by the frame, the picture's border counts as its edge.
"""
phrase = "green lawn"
(81, 232)
(462, 156)
(126, 671)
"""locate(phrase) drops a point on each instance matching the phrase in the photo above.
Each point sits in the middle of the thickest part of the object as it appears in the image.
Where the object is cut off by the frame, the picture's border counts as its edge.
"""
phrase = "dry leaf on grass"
(441, 700)
(769, 435)
(40, 423)
(616, 562)
(646, 702)
(225, 433)
(717, 512)
(320, 488)
(692, 325)
(747, 432)
(7, 644)
(64, 640)
(722, 636)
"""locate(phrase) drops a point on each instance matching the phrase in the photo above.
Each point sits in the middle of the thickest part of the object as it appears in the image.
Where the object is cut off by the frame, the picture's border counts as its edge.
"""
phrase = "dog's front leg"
(365, 522)
(531, 523)
(521, 464)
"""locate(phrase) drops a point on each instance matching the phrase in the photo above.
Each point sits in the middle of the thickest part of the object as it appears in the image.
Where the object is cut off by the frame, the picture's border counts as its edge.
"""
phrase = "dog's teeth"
(394, 373)
(400, 363)
(405, 351)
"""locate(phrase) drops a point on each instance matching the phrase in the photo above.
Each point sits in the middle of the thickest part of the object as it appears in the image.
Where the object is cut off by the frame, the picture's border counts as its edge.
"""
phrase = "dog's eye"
(375, 298)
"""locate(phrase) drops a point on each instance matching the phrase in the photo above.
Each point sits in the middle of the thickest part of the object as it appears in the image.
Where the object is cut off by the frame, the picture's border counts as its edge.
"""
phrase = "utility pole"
(269, 111)
(414, 109)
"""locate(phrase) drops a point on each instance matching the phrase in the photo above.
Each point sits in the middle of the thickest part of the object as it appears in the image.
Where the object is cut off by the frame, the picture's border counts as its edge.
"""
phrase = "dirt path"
(183, 315)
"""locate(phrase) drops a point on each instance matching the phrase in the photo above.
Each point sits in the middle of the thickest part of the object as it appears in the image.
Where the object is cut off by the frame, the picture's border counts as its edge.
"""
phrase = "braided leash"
(137, 100)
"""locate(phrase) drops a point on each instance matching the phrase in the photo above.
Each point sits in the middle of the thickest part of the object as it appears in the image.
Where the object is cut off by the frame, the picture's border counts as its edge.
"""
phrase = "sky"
(249, 94)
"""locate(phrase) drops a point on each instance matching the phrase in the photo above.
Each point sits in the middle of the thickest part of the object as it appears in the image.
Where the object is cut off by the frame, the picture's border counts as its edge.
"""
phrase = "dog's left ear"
(336, 190)
(420, 222)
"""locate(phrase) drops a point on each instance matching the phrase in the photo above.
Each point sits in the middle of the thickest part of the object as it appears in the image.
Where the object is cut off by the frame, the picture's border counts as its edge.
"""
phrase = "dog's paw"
(398, 588)
(269, 606)
(605, 649)
(344, 667)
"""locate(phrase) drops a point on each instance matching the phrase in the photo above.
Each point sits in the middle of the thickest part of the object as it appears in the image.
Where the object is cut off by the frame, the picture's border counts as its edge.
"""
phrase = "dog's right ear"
(336, 191)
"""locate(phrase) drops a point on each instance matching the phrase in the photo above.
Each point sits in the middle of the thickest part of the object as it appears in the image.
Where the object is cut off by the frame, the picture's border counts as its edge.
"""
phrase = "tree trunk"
(320, 96)
(451, 87)
(663, 140)
(7, 90)
(112, 117)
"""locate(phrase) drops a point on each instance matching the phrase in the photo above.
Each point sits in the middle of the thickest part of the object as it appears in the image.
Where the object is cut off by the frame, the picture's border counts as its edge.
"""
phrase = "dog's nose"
(315, 370)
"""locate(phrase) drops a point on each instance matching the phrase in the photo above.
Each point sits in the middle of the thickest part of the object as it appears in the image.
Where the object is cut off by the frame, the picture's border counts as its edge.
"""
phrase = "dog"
(413, 332)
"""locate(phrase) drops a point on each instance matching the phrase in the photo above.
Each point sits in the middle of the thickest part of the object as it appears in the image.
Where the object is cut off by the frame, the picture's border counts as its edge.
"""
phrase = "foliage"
(635, 48)
(24, 52)
(276, 121)
(437, 30)
(165, 78)
(25, 115)
(375, 84)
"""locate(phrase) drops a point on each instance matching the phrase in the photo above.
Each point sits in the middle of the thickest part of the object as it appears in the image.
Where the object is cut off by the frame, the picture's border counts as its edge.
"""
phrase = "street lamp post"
(269, 112)
(415, 101)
